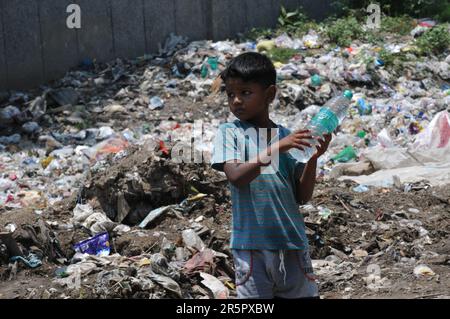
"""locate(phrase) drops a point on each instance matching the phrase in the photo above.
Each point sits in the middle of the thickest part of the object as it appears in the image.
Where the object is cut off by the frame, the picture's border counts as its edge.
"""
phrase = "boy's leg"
(252, 278)
(298, 280)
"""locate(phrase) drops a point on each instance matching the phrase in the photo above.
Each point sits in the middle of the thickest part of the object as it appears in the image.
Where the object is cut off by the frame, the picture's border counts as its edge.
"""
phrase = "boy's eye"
(230, 95)
(246, 92)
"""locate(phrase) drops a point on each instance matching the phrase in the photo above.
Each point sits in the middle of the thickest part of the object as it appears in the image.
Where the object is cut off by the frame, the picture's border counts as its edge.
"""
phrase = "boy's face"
(248, 100)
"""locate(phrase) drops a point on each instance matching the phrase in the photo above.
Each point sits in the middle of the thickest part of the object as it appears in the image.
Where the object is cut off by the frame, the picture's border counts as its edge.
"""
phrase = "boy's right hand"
(298, 139)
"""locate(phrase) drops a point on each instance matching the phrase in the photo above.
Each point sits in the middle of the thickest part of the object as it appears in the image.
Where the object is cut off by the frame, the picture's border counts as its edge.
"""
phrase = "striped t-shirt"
(265, 212)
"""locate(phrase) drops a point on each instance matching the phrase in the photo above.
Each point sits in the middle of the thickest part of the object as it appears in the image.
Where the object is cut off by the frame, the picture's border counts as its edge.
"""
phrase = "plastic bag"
(437, 133)
(346, 155)
(387, 158)
(112, 145)
(435, 173)
(266, 45)
(311, 41)
(156, 103)
(97, 245)
(191, 239)
(385, 139)
(361, 189)
(13, 139)
(215, 285)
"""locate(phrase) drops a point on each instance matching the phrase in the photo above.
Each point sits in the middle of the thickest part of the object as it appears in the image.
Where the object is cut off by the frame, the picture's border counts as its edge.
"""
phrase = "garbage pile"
(380, 241)
(91, 188)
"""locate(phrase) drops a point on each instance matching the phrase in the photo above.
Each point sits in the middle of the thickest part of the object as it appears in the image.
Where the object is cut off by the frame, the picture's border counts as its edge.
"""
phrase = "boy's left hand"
(323, 146)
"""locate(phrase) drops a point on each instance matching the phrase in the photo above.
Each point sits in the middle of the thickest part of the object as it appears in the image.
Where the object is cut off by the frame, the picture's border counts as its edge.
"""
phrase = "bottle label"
(326, 121)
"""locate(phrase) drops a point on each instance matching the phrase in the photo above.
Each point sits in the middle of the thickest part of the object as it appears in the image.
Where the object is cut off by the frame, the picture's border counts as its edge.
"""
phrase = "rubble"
(96, 155)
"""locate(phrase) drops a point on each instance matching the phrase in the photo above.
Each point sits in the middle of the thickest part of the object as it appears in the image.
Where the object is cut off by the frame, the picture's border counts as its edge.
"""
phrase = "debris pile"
(106, 191)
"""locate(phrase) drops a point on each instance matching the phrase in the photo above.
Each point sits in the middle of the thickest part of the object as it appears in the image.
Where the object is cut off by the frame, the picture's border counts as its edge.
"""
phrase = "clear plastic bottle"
(326, 121)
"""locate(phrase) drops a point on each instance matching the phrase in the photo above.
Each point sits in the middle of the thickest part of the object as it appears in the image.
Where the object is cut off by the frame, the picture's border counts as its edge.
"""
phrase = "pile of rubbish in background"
(91, 193)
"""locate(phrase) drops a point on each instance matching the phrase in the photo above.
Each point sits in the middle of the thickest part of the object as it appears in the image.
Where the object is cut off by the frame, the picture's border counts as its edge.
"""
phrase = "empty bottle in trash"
(326, 121)
(316, 80)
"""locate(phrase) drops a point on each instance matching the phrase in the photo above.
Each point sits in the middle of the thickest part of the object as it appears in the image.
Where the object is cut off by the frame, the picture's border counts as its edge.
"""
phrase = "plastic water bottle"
(326, 121)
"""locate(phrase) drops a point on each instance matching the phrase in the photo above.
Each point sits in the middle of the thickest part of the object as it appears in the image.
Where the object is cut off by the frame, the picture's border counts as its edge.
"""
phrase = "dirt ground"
(370, 221)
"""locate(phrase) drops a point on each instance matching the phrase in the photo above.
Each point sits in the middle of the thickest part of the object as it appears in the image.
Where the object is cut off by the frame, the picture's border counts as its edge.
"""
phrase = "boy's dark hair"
(251, 67)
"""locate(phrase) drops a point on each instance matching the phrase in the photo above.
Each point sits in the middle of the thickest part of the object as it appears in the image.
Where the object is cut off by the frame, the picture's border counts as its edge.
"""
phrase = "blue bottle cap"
(348, 94)
(379, 62)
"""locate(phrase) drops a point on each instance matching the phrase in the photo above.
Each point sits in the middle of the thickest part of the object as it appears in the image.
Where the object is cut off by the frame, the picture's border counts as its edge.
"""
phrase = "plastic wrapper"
(97, 245)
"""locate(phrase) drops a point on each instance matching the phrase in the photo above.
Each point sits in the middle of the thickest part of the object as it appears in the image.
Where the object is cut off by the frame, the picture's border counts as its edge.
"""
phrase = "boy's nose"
(237, 101)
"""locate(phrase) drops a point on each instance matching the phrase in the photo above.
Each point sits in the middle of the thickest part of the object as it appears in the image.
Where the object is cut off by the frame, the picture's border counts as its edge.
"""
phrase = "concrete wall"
(3, 73)
(59, 44)
(36, 46)
(158, 23)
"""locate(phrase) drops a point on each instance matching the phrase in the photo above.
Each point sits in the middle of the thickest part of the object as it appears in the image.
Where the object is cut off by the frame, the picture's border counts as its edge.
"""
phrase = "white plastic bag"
(436, 135)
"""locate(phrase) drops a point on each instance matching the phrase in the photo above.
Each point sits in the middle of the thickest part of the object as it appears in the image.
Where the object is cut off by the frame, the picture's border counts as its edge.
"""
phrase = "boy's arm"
(305, 187)
(241, 174)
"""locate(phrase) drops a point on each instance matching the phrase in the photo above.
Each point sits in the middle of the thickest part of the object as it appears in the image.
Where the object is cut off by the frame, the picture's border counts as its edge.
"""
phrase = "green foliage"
(437, 9)
(374, 38)
(444, 14)
(344, 30)
(395, 61)
(291, 21)
(401, 25)
(387, 57)
(296, 23)
(257, 33)
(282, 55)
(396, 20)
(435, 40)
(81, 126)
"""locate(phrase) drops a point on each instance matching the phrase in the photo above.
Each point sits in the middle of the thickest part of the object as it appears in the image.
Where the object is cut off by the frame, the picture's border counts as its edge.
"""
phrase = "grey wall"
(3, 74)
(36, 46)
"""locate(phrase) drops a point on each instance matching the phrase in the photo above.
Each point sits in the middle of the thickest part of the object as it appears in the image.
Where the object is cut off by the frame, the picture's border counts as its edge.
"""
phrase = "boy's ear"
(271, 92)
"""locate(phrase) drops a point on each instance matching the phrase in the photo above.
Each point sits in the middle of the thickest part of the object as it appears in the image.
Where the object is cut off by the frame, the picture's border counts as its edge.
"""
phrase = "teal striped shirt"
(265, 212)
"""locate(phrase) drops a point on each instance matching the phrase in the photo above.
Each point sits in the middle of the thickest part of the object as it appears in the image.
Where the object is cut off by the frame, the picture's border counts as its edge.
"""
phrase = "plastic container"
(156, 103)
(364, 108)
(316, 80)
(326, 121)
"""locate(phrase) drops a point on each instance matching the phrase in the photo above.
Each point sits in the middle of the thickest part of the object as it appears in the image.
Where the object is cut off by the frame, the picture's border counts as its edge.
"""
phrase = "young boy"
(269, 243)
